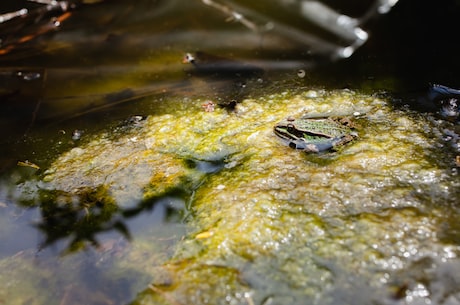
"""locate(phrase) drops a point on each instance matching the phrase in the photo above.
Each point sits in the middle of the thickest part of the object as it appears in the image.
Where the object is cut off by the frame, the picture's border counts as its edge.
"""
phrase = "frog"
(316, 134)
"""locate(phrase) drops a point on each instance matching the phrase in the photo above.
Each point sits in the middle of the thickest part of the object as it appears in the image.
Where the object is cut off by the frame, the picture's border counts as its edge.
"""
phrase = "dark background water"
(415, 44)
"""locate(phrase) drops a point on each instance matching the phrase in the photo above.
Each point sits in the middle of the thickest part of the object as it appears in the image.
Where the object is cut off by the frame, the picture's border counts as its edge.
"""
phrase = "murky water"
(350, 229)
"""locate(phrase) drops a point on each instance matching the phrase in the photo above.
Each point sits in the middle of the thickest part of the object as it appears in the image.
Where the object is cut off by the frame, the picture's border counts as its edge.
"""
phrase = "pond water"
(129, 176)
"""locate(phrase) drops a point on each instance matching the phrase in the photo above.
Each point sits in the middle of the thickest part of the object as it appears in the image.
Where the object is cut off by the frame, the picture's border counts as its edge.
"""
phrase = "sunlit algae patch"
(370, 223)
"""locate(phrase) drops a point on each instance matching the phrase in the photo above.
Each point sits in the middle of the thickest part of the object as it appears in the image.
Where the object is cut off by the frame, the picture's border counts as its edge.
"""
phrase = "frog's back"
(326, 127)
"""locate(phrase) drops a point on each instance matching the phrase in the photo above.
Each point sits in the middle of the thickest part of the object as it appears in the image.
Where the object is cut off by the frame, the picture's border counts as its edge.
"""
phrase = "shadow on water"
(78, 219)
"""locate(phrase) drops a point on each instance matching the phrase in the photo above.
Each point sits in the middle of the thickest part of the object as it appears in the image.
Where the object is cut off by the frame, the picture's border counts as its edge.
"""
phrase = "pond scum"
(374, 223)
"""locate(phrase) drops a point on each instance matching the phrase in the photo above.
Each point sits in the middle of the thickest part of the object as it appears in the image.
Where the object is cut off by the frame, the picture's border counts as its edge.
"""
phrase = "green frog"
(316, 134)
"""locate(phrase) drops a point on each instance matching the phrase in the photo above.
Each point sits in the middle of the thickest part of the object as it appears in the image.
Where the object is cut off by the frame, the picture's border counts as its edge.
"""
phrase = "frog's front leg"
(311, 146)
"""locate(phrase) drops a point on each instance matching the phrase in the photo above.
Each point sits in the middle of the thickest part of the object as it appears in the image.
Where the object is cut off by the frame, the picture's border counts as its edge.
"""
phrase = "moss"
(274, 224)
(297, 227)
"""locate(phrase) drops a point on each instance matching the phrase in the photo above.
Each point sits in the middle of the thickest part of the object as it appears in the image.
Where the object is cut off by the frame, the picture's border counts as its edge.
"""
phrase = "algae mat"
(372, 223)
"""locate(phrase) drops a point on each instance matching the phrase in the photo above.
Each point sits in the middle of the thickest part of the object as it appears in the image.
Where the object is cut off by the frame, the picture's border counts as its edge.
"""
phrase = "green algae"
(275, 225)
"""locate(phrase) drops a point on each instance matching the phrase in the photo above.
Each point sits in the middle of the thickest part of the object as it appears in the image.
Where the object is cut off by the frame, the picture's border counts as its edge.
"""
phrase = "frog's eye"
(290, 127)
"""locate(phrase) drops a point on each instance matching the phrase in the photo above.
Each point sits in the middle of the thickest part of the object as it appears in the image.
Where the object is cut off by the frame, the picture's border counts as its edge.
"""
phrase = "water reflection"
(63, 216)
(76, 220)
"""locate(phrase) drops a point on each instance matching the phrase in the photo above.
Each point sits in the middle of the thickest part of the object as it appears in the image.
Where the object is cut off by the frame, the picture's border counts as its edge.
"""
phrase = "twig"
(233, 15)
(165, 295)
(8, 16)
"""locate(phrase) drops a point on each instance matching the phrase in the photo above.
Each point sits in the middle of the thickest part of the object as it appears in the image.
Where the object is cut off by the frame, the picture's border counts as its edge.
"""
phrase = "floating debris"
(76, 134)
(27, 163)
(301, 73)
(203, 235)
(208, 106)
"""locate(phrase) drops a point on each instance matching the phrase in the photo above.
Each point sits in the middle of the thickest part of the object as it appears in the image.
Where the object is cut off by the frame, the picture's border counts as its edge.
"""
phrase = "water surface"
(112, 61)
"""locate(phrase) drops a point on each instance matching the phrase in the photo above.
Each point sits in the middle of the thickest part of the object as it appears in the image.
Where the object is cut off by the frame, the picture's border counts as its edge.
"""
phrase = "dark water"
(105, 50)
(92, 73)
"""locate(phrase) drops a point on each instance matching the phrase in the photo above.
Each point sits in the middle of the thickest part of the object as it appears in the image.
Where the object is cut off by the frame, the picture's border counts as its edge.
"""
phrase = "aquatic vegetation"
(276, 225)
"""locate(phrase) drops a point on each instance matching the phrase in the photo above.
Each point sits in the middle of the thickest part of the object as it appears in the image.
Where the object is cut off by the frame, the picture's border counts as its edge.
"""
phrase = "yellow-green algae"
(277, 226)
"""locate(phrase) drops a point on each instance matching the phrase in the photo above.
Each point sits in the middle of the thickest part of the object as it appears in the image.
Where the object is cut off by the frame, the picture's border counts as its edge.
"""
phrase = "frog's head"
(287, 130)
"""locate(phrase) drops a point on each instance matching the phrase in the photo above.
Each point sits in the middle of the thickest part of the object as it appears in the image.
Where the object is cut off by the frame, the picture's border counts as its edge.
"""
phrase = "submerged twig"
(24, 25)
(232, 14)
(11, 15)
(27, 163)
(344, 33)
(165, 295)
